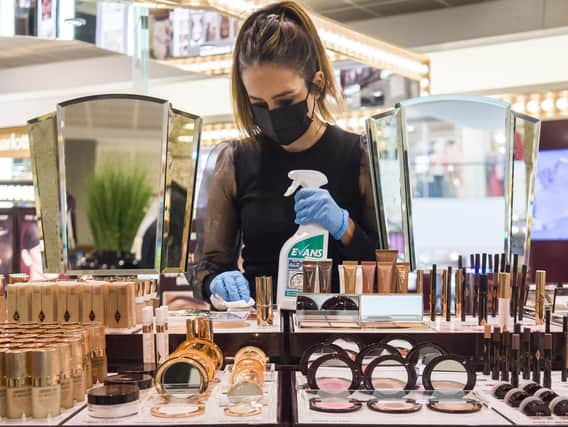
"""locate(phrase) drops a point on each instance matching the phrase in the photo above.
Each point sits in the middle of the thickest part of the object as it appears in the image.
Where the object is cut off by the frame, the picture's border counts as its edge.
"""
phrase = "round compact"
(448, 374)
(113, 401)
(546, 395)
(305, 303)
(143, 368)
(515, 397)
(182, 377)
(251, 351)
(559, 406)
(243, 410)
(532, 388)
(334, 374)
(389, 374)
(315, 352)
(465, 406)
(501, 390)
(211, 349)
(340, 303)
(334, 406)
(350, 345)
(174, 411)
(534, 407)
(371, 352)
(424, 351)
(402, 343)
(142, 381)
(406, 406)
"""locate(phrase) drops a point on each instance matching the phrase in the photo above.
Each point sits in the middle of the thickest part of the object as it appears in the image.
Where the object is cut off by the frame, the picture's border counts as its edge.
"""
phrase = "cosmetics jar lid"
(546, 395)
(515, 397)
(559, 406)
(532, 388)
(113, 394)
(501, 390)
(534, 407)
(142, 381)
(142, 368)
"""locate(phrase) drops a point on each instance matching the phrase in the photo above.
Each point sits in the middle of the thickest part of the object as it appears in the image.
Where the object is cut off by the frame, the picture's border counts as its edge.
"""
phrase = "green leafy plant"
(117, 201)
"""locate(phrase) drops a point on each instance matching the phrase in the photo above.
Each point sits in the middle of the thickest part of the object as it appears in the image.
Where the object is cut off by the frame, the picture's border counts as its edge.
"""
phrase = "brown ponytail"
(281, 33)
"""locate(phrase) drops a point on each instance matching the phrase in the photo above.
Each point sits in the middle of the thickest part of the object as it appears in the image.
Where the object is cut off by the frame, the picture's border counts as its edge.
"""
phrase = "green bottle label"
(309, 248)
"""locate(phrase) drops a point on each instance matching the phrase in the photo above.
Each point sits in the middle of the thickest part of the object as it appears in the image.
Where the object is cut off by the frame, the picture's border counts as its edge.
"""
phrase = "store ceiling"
(25, 51)
(355, 10)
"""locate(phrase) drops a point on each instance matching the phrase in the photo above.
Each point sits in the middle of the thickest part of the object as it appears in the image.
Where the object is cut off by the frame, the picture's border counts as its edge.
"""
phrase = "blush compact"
(334, 374)
(334, 405)
(403, 406)
(389, 375)
(458, 406)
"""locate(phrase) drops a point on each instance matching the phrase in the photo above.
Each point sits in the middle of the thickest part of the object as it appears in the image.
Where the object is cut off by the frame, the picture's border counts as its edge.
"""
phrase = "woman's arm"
(220, 237)
(362, 238)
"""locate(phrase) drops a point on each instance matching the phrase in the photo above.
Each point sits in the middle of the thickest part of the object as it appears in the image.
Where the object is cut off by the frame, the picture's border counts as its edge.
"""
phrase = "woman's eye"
(284, 102)
(260, 105)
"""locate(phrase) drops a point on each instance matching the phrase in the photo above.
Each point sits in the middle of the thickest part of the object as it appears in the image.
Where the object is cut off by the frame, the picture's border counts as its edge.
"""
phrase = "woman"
(281, 80)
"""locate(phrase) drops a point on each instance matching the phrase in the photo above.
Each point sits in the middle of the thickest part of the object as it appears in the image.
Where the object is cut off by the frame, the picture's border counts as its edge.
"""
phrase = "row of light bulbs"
(543, 105)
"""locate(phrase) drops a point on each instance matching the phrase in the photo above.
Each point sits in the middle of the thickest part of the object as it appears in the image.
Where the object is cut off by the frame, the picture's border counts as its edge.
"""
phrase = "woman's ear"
(318, 84)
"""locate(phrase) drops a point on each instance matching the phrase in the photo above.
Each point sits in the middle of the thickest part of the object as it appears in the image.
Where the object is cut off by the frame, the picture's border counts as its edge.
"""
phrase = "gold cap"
(45, 363)
(504, 285)
(16, 364)
(199, 327)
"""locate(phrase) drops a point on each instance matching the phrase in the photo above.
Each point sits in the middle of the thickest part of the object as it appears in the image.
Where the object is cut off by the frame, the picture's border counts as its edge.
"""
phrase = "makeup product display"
(49, 366)
(386, 260)
(110, 302)
(369, 268)
(113, 401)
(264, 310)
(534, 407)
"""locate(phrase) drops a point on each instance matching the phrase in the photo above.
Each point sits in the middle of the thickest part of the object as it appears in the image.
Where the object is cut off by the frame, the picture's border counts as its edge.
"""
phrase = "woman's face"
(275, 86)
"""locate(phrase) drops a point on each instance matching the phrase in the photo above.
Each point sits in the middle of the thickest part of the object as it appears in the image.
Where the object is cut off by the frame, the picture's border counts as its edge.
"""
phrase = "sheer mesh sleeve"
(218, 237)
(365, 238)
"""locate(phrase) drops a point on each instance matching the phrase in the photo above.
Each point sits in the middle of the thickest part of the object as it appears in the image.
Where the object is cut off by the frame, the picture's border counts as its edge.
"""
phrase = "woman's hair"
(283, 34)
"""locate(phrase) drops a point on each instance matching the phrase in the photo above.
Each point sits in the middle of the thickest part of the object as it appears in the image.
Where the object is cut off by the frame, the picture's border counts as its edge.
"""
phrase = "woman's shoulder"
(346, 140)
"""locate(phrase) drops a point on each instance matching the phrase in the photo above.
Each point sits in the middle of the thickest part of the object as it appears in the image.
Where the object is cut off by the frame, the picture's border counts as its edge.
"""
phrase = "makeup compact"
(334, 405)
(501, 390)
(515, 397)
(389, 376)
(350, 345)
(181, 377)
(316, 351)
(559, 406)
(113, 401)
(327, 310)
(546, 395)
(532, 388)
(423, 352)
(402, 343)
(334, 374)
(143, 382)
(371, 352)
(534, 407)
(403, 406)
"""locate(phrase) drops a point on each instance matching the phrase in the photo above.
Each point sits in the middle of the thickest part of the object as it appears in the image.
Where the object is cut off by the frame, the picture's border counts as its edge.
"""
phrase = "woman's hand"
(231, 286)
(316, 206)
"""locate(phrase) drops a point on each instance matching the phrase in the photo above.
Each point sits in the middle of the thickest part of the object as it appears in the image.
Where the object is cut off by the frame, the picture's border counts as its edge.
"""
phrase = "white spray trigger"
(306, 179)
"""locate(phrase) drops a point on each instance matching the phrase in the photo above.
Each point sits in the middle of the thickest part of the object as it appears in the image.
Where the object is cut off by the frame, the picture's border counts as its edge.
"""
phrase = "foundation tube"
(324, 276)
(540, 278)
(350, 276)
(386, 260)
(504, 300)
(264, 313)
(46, 390)
(310, 271)
(369, 268)
(402, 271)
(18, 388)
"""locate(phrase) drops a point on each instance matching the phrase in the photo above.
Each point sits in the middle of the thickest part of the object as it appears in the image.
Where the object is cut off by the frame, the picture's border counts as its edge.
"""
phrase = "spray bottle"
(309, 241)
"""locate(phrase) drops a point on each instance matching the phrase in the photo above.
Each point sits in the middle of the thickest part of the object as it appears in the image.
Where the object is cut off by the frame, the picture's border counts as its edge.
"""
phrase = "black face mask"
(285, 124)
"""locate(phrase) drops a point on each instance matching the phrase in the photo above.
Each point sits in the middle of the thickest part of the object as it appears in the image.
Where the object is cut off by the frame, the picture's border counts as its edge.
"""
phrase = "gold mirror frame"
(48, 164)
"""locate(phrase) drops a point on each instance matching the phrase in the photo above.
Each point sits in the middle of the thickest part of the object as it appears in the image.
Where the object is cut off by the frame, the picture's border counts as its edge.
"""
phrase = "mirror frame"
(48, 165)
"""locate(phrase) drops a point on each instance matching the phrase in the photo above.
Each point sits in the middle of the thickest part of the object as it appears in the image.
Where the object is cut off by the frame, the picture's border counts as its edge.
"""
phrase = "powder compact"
(181, 377)
(423, 352)
(371, 352)
(559, 406)
(334, 405)
(334, 374)
(402, 343)
(515, 397)
(403, 406)
(315, 352)
(350, 345)
(532, 388)
(113, 401)
(546, 395)
(389, 376)
(501, 390)
(458, 406)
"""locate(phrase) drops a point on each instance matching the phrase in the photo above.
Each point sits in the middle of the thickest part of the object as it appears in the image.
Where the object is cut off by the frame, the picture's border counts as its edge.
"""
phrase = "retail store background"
(511, 49)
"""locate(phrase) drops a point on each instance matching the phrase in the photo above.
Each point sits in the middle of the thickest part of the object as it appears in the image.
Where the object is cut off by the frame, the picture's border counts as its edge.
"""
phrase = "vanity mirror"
(465, 162)
(114, 177)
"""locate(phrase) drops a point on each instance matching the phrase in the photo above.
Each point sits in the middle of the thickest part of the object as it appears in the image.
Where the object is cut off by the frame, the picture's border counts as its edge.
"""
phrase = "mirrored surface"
(183, 378)
(111, 181)
(449, 375)
(334, 376)
(389, 374)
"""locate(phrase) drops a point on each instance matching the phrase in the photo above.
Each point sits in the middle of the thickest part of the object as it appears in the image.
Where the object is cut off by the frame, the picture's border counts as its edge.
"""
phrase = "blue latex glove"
(316, 206)
(231, 286)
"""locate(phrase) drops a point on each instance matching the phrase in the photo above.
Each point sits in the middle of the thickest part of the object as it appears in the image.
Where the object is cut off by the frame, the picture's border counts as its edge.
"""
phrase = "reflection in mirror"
(423, 353)
(402, 345)
(449, 375)
(112, 186)
(183, 146)
(350, 345)
(183, 378)
(457, 155)
(334, 376)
